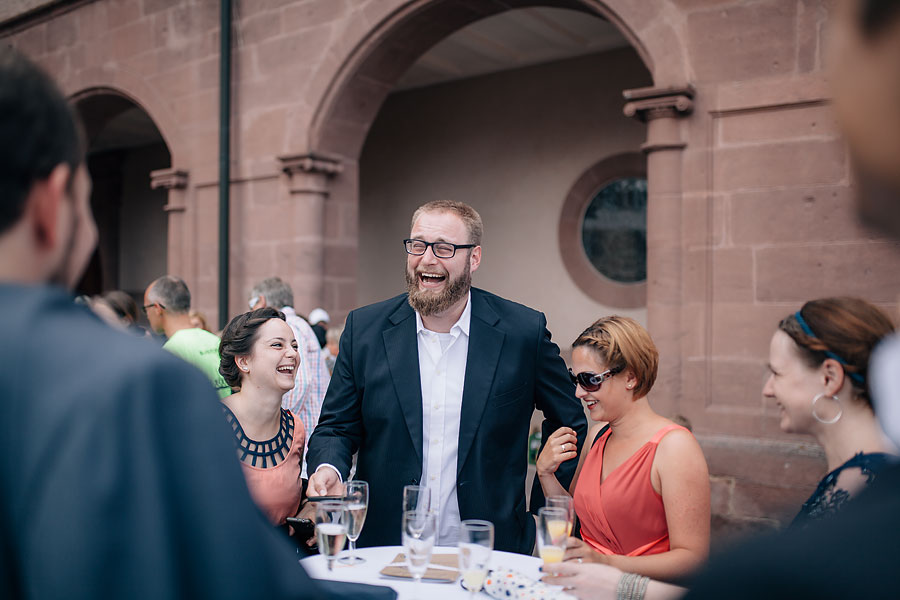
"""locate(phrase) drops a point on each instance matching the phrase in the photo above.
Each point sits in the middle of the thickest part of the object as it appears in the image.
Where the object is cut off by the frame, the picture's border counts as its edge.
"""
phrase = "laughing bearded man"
(436, 387)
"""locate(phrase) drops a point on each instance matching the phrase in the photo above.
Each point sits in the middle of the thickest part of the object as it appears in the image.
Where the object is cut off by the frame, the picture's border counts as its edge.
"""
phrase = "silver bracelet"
(631, 586)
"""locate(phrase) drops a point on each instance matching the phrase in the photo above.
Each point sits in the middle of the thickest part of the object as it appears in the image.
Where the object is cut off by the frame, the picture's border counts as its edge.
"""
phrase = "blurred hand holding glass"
(356, 500)
(476, 542)
(331, 529)
(552, 533)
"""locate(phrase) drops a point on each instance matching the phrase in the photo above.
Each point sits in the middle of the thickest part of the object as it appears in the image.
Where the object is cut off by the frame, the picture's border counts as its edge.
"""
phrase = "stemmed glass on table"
(416, 497)
(356, 501)
(419, 534)
(331, 529)
(564, 502)
(476, 541)
(552, 532)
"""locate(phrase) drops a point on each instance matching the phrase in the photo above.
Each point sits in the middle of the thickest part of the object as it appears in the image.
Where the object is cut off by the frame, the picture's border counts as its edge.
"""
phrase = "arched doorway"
(124, 146)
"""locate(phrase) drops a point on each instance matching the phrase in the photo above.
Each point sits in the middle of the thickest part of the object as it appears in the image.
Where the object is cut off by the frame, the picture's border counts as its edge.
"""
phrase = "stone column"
(661, 109)
(174, 180)
(308, 184)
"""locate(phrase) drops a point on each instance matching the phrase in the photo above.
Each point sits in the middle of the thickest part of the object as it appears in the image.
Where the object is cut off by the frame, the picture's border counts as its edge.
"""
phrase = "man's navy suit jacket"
(374, 405)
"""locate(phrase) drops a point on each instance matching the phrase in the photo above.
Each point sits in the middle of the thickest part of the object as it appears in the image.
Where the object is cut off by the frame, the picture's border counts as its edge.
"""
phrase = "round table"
(379, 556)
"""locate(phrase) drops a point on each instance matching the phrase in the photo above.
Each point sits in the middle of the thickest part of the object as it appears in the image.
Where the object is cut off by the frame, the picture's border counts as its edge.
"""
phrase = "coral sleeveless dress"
(624, 515)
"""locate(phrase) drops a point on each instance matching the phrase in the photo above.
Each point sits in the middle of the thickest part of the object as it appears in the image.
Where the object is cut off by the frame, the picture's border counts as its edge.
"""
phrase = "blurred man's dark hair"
(39, 131)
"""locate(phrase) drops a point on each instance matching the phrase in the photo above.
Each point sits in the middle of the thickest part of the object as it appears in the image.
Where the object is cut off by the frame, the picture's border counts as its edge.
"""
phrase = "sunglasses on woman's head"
(591, 382)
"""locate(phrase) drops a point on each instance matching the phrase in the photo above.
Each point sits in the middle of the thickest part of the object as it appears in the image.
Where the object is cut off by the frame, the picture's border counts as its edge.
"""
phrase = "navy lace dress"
(829, 499)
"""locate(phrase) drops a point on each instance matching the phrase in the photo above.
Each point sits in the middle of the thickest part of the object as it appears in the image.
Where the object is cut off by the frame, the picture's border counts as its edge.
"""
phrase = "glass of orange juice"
(552, 532)
(565, 502)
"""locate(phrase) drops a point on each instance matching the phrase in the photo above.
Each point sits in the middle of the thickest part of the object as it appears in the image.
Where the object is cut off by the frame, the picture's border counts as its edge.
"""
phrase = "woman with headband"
(818, 360)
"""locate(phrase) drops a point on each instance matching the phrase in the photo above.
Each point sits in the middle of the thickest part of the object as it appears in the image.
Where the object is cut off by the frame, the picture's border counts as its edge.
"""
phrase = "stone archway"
(125, 146)
(372, 64)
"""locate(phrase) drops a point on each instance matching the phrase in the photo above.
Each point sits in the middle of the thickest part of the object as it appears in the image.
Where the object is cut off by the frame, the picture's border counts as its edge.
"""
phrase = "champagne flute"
(331, 529)
(419, 533)
(476, 541)
(552, 533)
(356, 499)
(416, 497)
(565, 502)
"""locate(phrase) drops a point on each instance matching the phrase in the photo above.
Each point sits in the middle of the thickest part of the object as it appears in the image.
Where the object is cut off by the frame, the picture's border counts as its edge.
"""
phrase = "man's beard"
(429, 302)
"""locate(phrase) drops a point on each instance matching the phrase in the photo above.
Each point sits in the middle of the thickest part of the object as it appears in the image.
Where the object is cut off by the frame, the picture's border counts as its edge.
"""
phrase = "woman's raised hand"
(562, 445)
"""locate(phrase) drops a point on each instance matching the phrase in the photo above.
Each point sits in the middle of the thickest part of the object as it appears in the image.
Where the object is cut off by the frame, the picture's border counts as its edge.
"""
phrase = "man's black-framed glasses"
(591, 382)
(146, 306)
(440, 249)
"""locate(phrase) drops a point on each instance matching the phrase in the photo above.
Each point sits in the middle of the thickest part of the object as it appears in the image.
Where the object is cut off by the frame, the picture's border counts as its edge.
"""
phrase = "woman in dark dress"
(818, 360)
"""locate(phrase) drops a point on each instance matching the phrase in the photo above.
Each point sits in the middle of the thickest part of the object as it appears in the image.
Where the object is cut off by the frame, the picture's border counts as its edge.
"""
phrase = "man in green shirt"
(167, 303)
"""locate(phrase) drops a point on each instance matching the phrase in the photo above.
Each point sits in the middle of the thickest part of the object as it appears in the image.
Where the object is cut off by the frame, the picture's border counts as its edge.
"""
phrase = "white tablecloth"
(378, 557)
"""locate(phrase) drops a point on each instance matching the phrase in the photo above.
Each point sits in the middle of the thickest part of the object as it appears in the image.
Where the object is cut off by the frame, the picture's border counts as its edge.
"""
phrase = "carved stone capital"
(652, 103)
(311, 163)
(168, 179)
(309, 173)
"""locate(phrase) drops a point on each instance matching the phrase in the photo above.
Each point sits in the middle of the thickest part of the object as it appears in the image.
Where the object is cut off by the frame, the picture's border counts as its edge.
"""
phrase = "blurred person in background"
(167, 304)
(198, 321)
(332, 346)
(318, 320)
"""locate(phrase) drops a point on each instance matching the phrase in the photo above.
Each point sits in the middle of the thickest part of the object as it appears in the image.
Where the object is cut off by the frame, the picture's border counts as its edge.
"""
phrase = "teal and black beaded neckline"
(270, 452)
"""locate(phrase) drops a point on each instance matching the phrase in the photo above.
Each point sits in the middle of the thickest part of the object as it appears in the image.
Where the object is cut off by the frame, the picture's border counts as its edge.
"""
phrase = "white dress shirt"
(442, 370)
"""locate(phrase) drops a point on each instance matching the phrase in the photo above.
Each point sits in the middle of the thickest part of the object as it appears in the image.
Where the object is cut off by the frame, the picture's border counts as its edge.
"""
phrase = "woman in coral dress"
(641, 491)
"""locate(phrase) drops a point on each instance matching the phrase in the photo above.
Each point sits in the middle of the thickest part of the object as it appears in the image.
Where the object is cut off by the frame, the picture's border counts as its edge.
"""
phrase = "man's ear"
(475, 259)
(262, 302)
(46, 198)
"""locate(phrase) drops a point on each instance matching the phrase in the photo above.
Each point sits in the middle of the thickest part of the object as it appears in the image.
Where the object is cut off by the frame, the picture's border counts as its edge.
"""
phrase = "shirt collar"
(288, 311)
(461, 325)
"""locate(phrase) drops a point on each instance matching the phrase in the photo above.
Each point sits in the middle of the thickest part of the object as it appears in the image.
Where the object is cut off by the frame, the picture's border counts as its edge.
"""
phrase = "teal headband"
(808, 331)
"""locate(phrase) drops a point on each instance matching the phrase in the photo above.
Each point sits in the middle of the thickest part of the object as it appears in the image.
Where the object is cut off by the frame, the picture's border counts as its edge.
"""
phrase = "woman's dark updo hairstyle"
(847, 327)
(238, 339)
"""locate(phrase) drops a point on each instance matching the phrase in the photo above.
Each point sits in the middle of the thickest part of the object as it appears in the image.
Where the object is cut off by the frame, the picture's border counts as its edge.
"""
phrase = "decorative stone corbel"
(660, 108)
(309, 173)
(170, 179)
(652, 103)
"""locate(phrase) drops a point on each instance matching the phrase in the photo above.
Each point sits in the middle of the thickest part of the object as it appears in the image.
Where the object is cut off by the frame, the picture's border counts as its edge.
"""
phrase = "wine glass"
(356, 500)
(552, 533)
(476, 541)
(419, 533)
(416, 497)
(331, 529)
(565, 502)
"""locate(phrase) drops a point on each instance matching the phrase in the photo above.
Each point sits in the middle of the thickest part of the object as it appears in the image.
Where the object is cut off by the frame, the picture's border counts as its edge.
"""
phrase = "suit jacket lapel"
(402, 351)
(485, 342)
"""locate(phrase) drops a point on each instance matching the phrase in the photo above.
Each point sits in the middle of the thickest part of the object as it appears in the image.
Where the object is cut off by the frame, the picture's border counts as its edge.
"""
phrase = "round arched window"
(614, 231)
(603, 231)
